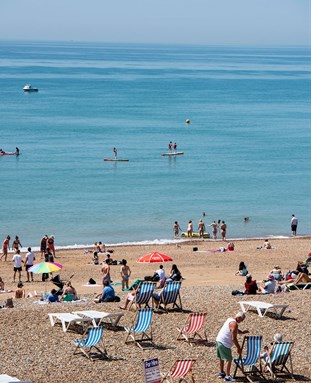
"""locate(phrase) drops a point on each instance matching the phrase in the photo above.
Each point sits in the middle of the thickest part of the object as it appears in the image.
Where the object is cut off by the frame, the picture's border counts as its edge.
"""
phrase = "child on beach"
(20, 291)
(125, 272)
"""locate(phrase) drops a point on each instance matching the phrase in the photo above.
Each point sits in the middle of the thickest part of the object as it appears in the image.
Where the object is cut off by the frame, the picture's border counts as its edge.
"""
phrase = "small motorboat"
(29, 88)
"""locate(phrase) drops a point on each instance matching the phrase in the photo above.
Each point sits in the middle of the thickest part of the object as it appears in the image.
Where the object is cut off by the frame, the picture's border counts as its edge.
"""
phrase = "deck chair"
(170, 294)
(276, 364)
(193, 326)
(93, 339)
(143, 295)
(135, 284)
(180, 369)
(141, 323)
(247, 365)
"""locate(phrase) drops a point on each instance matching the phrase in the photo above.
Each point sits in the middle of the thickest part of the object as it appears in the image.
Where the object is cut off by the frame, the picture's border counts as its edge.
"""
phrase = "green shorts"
(223, 353)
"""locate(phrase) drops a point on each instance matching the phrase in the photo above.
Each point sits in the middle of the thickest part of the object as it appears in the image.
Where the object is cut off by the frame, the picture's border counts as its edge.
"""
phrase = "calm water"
(247, 148)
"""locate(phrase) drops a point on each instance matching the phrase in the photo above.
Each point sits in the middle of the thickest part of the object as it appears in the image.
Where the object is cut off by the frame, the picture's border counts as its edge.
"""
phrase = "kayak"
(172, 154)
(116, 160)
(195, 235)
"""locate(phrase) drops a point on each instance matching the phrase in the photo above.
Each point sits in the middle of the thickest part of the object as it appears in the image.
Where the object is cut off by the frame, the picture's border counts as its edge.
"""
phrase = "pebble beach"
(31, 349)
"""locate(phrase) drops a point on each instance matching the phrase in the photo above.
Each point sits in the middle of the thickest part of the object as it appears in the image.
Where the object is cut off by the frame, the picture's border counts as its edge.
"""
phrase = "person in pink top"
(5, 248)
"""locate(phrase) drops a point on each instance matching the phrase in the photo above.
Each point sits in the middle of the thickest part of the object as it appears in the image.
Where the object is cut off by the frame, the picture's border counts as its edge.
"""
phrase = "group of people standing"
(172, 147)
(202, 229)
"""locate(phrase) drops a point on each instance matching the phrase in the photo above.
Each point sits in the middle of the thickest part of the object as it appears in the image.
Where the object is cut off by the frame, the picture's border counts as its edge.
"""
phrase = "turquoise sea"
(247, 147)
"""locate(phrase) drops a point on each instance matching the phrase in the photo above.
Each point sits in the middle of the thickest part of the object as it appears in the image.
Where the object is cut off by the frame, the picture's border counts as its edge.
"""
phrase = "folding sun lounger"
(93, 340)
(67, 319)
(181, 368)
(193, 327)
(98, 317)
(263, 307)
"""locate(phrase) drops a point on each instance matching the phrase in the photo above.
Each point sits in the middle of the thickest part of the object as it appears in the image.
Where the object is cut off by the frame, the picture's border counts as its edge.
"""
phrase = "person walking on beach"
(294, 224)
(125, 272)
(16, 243)
(190, 229)
(30, 257)
(18, 260)
(226, 338)
(201, 228)
(51, 245)
(43, 244)
(176, 229)
(5, 248)
(223, 230)
(106, 272)
(115, 153)
(214, 231)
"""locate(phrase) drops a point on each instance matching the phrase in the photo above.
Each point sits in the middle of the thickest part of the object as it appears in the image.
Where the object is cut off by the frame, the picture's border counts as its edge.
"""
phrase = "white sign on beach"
(151, 371)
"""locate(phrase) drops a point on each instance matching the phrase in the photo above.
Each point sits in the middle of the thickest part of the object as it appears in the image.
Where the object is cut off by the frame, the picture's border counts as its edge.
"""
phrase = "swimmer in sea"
(115, 153)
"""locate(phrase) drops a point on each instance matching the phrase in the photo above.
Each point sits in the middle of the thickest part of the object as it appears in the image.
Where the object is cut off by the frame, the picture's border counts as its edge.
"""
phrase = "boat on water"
(30, 88)
(172, 154)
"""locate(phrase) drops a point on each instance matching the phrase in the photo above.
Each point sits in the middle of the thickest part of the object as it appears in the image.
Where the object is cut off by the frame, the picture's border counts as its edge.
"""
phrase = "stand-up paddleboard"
(116, 159)
(172, 154)
(195, 235)
(9, 154)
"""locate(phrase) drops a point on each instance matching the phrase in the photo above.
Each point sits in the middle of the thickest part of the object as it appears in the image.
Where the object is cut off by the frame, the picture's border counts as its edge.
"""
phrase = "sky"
(247, 22)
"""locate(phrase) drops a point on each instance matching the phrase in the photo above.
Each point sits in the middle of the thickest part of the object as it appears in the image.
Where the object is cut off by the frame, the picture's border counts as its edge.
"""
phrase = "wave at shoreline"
(163, 242)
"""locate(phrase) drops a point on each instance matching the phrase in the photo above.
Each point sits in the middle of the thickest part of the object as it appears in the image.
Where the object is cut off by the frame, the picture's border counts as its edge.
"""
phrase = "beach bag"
(9, 303)
(237, 292)
(117, 299)
(114, 262)
(194, 249)
(91, 282)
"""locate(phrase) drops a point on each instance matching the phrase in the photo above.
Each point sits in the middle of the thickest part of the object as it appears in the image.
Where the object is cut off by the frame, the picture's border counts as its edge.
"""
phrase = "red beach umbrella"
(154, 257)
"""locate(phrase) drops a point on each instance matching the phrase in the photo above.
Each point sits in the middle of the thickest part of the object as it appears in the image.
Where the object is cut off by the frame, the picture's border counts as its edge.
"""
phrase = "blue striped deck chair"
(170, 294)
(276, 364)
(141, 323)
(247, 365)
(94, 339)
(143, 295)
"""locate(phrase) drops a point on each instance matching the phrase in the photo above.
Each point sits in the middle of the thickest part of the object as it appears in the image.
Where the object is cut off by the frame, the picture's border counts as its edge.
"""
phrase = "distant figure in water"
(246, 219)
(115, 153)
(17, 151)
(175, 147)
(170, 145)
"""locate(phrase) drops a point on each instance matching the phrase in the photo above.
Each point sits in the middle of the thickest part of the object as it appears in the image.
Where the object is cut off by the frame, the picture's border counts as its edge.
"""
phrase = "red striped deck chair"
(193, 326)
(180, 370)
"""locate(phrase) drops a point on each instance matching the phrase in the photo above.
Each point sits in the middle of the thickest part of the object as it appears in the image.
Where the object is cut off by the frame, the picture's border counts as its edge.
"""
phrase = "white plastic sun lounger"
(98, 317)
(67, 319)
(263, 307)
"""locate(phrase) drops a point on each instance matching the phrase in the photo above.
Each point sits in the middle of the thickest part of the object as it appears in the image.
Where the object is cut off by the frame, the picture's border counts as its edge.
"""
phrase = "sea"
(246, 146)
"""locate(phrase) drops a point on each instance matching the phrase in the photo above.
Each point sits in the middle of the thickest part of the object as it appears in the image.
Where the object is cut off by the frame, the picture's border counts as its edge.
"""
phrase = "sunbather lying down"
(301, 278)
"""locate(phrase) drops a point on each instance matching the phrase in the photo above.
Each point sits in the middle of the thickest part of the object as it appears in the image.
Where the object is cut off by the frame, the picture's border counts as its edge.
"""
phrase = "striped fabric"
(196, 322)
(144, 293)
(143, 322)
(280, 353)
(181, 368)
(171, 292)
(253, 348)
(93, 337)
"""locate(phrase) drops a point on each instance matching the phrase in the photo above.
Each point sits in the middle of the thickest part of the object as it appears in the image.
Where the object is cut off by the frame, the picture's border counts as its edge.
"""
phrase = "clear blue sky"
(251, 22)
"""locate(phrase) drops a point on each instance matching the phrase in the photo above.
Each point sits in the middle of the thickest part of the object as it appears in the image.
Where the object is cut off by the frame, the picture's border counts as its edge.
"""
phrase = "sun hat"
(270, 277)
(278, 337)
(248, 275)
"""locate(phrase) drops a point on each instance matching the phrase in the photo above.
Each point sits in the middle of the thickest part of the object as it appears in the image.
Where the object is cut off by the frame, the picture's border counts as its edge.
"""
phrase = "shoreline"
(163, 242)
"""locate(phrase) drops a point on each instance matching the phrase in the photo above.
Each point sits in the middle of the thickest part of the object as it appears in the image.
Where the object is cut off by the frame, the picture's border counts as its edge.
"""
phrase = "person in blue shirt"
(53, 297)
(107, 294)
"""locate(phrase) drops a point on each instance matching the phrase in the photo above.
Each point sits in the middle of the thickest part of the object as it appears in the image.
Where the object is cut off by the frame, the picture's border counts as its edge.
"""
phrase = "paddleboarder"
(115, 153)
